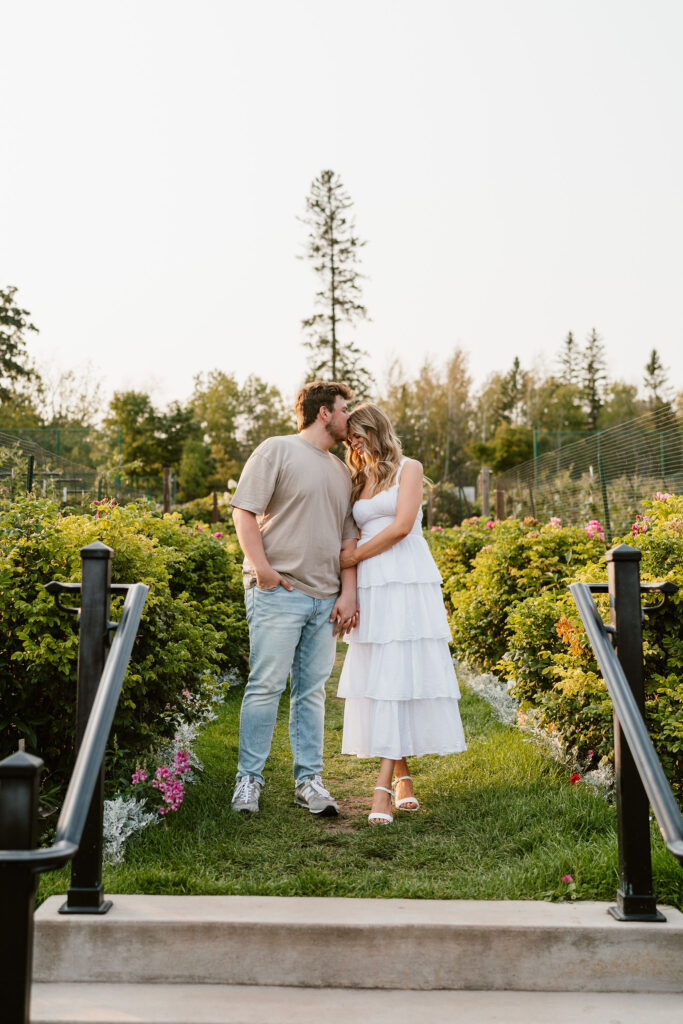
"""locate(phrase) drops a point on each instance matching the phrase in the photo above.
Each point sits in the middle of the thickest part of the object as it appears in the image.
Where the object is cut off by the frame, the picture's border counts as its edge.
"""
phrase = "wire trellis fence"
(26, 467)
(604, 476)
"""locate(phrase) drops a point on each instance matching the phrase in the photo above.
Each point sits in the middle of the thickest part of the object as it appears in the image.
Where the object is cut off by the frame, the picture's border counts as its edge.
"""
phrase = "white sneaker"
(247, 792)
(312, 794)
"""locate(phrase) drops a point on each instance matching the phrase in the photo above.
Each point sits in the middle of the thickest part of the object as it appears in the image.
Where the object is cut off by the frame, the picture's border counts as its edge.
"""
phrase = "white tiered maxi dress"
(398, 678)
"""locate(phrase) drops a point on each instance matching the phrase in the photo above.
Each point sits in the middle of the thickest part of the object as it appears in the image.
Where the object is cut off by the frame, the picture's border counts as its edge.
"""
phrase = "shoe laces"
(316, 783)
(247, 789)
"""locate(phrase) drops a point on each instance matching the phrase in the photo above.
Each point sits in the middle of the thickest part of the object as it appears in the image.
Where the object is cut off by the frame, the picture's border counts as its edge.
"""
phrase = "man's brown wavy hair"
(316, 394)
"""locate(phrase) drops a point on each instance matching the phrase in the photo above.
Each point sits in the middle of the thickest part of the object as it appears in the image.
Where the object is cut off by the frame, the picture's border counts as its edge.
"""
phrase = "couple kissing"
(337, 550)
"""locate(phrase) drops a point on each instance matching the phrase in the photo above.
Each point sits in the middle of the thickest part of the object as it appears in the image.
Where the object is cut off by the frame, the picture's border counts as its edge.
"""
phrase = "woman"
(398, 677)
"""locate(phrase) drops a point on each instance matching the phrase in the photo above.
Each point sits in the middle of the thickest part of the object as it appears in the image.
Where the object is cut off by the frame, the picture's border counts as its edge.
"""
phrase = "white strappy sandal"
(378, 816)
(401, 804)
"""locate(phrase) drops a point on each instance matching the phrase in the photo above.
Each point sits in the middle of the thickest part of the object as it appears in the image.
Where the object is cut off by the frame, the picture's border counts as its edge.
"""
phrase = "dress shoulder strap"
(402, 464)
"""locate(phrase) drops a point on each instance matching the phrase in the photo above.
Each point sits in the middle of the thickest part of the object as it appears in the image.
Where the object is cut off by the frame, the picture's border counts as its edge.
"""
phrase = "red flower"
(574, 778)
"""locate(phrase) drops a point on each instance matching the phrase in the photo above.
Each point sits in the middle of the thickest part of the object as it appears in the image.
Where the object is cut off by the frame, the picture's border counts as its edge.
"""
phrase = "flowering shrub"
(508, 562)
(168, 781)
(594, 528)
(511, 613)
(456, 548)
(176, 762)
(193, 627)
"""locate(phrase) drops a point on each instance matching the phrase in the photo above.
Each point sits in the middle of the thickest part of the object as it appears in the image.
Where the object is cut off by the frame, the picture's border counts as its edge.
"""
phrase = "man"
(292, 515)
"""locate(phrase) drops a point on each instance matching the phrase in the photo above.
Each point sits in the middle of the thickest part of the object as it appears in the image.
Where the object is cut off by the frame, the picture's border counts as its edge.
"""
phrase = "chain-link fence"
(604, 476)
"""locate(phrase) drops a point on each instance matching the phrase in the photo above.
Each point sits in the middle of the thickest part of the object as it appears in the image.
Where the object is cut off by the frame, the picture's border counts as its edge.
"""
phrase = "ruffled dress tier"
(398, 678)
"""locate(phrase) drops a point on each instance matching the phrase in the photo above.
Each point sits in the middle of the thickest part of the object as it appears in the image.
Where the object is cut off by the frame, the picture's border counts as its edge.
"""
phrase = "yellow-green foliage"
(193, 622)
(511, 612)
(508, 561)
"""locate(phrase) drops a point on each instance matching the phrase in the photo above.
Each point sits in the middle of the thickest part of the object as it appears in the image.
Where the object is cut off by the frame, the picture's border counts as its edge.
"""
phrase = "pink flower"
(662, 495)
(590, 753)
(491, 523)
(437, 529)
(555, 521)
(566, 879)
(139, 776)
(181, 763)
(218, 535)
(594, 528)
(641, 525)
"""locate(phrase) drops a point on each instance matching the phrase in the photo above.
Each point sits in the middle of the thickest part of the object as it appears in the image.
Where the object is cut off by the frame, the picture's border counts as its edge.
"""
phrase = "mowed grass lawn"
(498, 822)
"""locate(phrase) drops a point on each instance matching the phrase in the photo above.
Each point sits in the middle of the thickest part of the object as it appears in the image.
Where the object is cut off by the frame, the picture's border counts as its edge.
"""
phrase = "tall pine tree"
(333, 247)
(656, 381)
(593, 378)
(569, 360)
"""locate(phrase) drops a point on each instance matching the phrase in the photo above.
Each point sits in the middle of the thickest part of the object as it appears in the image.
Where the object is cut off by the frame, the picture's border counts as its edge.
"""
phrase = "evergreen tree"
(333, 247)
(656, 381)
(569, 360)
(593, 378)
(512, 393)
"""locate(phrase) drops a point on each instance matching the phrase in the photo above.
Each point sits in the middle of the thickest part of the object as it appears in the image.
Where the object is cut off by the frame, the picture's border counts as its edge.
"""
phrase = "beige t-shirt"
(302, 498)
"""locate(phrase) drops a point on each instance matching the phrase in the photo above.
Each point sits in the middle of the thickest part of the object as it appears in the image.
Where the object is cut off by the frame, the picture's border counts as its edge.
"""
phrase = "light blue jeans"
(290, 634)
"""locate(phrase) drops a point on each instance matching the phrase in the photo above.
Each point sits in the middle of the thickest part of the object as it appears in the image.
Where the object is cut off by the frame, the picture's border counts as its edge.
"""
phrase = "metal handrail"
(631, 720)
(91, 753)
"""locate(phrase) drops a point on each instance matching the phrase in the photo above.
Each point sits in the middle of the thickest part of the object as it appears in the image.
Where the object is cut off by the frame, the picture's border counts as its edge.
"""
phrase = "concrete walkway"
(219, 1004)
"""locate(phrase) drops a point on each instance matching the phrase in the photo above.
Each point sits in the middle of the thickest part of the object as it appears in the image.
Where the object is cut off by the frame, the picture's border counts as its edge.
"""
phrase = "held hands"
(344, 616)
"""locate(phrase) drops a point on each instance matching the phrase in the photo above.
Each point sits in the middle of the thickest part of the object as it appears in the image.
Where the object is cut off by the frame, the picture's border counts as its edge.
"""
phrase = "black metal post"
(29, 473)
(85, 895)
(19, 785)
(635, 895)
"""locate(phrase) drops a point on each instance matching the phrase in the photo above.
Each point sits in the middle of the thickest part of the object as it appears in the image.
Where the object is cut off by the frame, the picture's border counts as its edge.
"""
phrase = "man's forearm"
(348, 582)
(348, 576)
(250, 539)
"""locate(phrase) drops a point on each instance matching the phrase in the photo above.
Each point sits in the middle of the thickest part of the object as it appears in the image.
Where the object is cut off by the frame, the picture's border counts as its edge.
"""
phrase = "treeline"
(452, 426)
(455, 428)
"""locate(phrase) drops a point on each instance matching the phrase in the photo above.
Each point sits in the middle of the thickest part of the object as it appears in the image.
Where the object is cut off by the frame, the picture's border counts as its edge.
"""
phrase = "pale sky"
(516, 168)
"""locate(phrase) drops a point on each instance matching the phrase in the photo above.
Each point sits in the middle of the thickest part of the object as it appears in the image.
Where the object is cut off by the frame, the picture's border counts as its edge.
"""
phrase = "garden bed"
(501, 821)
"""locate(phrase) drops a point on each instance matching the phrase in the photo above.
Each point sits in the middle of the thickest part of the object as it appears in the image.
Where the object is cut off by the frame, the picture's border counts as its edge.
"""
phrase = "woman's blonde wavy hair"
(382, 451)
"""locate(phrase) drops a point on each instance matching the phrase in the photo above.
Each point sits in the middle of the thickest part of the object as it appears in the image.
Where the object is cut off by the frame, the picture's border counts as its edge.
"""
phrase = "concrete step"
(359, 944)
(226, 1004)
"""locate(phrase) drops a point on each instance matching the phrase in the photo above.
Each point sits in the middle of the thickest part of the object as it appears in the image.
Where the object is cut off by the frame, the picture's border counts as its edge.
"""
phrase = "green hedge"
(193, 624)
(511, 613)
